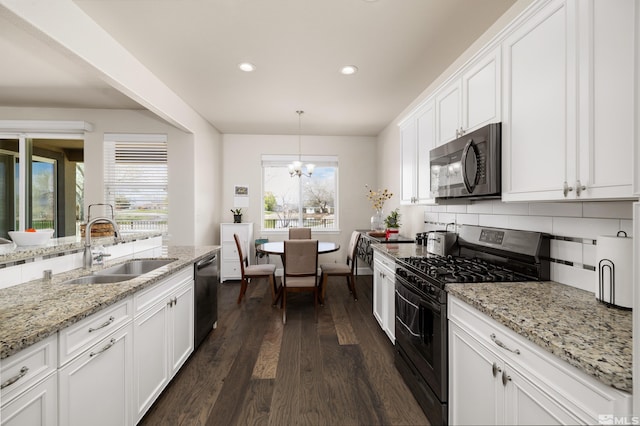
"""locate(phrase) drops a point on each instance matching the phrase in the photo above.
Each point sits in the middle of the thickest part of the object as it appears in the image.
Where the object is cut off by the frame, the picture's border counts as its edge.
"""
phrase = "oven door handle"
(471, 186)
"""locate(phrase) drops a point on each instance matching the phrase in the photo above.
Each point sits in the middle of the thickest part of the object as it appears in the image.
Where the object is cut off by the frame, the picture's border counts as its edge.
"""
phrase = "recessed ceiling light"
(247, 66)
(349, 69)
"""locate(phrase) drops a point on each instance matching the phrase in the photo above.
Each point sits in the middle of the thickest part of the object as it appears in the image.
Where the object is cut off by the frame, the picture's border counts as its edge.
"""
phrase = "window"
(136, 180)
(310, 202)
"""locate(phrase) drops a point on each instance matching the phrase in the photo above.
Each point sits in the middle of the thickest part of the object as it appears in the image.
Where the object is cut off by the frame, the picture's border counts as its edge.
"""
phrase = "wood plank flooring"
(253, 370)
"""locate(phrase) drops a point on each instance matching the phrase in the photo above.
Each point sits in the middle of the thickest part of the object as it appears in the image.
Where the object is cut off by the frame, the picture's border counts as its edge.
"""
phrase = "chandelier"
(295, 168)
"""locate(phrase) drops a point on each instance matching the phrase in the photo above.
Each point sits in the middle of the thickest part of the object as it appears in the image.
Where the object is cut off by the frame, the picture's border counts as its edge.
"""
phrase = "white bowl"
(38, 238)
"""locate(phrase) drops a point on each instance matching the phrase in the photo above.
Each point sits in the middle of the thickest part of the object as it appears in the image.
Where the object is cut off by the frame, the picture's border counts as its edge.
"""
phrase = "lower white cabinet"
(29, 392)
(95, 387)
(384, 309)
(230, 264)
(163, 329)
(497, 377)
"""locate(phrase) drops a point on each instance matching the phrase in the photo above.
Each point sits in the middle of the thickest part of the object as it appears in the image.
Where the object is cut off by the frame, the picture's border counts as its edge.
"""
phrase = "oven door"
(421, 333)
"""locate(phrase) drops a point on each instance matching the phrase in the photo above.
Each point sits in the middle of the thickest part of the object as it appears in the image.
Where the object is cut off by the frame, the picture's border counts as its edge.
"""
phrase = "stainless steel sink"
(100, 279)
(134, 267)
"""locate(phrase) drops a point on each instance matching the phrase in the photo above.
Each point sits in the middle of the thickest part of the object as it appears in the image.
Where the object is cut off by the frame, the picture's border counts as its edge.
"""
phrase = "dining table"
(277, 247)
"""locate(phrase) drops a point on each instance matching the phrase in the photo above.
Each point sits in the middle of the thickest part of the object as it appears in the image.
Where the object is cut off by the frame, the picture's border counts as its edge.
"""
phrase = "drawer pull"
(106, 323)
(503, 346)
(107, 346)
(15, 378)
(505, 378)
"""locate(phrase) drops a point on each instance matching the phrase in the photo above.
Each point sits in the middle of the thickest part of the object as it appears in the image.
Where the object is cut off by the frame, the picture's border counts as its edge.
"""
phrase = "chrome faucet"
(88, 256)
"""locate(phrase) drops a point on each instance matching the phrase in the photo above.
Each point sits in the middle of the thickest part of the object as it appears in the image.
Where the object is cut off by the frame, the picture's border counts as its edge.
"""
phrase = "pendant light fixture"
(295, 168)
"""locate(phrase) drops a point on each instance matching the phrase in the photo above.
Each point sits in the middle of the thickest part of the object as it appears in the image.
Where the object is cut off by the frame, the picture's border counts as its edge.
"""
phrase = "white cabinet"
(29, 392)
(568, 103)
(230, 263)
(470, 100)
(384, 309)
(163, 329)
(497, 377)
(417, 136)
(95, 387)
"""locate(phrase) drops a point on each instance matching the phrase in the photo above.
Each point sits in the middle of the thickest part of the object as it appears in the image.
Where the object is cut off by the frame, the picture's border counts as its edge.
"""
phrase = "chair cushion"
(300, 281)
(265, 269)
(335, 268)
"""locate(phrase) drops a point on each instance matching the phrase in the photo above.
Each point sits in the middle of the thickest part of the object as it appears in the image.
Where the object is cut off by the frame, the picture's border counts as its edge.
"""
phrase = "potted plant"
(237, 215)
(392, 222)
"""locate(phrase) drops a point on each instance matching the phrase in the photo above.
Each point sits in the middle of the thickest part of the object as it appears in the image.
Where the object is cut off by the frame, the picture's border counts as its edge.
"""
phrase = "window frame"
(269, 160)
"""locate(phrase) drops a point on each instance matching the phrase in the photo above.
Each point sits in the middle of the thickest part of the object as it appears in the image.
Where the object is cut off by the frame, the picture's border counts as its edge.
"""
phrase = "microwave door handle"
(465, 179)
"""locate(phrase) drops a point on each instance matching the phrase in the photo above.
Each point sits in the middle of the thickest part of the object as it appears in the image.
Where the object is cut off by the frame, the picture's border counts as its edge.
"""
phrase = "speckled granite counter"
(32, 311)
(564, 320)
(56, 246)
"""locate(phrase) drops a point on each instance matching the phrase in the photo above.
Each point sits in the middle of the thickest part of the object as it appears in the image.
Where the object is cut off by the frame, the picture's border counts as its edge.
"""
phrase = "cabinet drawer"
(386, 261)
(227, 231)
(231, 270)
(82, 335)
(580, 392)
(27, 367)
(230, 252)
(149, 296)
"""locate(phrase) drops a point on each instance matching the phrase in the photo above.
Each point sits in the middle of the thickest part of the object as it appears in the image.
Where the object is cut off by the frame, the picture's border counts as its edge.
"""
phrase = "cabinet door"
(408, 141)
(448, 106)
(606, 81)
(526, 404)
(539, 123)
(151, 351)
(426, 142)
(481, 92)
(475, 393)
(95, 387)
(378, 297)
(389, 297)
(36, 406)
(181, 327)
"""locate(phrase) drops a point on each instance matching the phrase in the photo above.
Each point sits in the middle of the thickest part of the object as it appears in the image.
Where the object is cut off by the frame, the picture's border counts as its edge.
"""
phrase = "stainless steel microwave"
(468, 167)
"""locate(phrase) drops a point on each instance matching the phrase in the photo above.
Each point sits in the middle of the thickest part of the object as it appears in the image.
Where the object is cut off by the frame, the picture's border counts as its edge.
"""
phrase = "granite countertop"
(566, 321)
(55, 246)
(34, 310)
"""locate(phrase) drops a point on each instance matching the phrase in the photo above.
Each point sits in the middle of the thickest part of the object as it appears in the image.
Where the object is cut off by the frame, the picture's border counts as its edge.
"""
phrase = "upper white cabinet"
(470, 100)
(417, 135)
(568, 104)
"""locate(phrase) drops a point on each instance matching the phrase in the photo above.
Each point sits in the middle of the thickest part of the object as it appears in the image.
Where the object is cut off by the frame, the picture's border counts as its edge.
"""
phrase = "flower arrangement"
(378, 197)
(236, 211)
(393, 220)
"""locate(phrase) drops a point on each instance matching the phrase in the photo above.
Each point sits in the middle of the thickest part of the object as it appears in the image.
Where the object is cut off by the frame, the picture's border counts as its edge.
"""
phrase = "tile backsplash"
(574, 227)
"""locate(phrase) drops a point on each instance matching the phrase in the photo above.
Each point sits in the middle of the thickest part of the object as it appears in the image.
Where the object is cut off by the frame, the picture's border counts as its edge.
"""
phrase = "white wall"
(194, 165)
(357, 167)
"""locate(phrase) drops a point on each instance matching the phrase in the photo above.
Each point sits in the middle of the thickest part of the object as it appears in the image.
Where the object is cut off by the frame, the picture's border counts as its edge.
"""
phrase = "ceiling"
(298, 47)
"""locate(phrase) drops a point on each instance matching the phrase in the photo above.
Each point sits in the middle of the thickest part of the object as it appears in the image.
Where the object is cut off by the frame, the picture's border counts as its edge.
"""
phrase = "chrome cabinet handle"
(23, 371)
(579, 188)
(566, 189)
(106, 323)
(505, 378)
(107, 346)
(172, 302)
(495, 369)
(175, 300)
(503, 346)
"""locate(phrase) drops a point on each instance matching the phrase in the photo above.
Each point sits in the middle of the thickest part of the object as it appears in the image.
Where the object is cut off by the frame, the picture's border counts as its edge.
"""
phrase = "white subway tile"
(556, 209)
(457, 208)
(495, 221)
(431, 217)
(439, 209)
(10, 276)
(447, 217)
(467, 219)
(531, 223)
(566, 250)
(575, 277)
(608, 209)
(589, 254)
(510, 208)
(626, 226)
(481, 207)
(584, 228)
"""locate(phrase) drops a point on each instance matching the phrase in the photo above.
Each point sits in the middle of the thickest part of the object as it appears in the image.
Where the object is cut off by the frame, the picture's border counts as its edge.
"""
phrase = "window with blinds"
(136, 181)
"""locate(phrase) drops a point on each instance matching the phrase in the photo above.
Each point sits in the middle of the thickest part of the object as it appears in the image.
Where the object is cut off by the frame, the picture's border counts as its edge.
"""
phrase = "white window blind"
(136, 180)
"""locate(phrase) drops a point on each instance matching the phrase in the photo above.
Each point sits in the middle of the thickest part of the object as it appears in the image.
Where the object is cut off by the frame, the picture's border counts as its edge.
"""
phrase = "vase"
(377, 221)
(237, 218)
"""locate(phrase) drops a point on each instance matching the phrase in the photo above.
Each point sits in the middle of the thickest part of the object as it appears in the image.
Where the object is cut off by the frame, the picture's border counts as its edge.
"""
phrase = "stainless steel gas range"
(481, 254)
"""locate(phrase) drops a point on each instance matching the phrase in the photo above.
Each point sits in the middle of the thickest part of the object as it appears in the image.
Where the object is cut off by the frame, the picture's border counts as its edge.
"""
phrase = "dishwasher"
(207, 278)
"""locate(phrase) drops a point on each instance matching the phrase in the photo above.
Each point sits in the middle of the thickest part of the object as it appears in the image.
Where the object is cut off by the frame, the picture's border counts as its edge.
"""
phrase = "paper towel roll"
(614, 263)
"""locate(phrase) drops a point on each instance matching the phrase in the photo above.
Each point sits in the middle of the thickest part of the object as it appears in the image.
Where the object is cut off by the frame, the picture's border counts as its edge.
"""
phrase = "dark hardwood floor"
(254, 370)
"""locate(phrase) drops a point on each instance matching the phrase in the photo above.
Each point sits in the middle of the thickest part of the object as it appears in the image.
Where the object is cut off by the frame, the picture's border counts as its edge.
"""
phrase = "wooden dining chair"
(300, 271)
(341, 269)
(255, 272)
(299, 233)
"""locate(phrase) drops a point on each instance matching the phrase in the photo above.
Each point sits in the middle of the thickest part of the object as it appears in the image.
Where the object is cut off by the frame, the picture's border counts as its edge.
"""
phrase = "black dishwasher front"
(207, 277)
